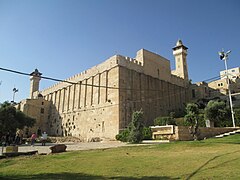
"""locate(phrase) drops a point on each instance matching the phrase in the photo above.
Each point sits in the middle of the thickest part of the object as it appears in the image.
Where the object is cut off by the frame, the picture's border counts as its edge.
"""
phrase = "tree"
(218, 113)
(135, 131)
(136, 127)
(237, 116)
(192, 117)
(11, 119)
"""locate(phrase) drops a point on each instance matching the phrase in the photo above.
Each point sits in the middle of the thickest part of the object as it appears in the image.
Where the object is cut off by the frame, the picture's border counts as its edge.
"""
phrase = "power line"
(213, 78)
(92, 85)
(78, 83)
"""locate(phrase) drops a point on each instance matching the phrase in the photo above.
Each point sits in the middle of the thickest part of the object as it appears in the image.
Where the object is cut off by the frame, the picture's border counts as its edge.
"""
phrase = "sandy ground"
(71, 146)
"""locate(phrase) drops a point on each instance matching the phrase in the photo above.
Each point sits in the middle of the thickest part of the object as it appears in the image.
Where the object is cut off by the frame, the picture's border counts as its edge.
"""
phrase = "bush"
(123, 136)
(147, 133)
(134, 132)
(162, 121)
(217, 112)
(237, 117)
(136, 127)
(182, 122)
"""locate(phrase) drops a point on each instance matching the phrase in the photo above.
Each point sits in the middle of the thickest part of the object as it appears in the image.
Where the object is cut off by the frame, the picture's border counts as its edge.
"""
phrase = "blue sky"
(64, 37)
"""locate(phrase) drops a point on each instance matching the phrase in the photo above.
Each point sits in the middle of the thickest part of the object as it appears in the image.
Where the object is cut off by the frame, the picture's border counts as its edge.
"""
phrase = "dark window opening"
(193, 93)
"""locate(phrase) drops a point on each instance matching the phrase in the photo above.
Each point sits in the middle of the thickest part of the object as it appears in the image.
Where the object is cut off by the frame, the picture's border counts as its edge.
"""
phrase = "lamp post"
(224, 57)
(14, 92)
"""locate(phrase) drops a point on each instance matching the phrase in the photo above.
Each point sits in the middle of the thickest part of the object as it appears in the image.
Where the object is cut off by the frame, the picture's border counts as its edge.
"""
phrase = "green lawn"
(208, 159)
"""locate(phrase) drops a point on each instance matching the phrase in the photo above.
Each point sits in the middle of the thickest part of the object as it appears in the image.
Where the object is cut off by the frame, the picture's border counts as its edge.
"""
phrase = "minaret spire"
(34, 82)
(180, 53)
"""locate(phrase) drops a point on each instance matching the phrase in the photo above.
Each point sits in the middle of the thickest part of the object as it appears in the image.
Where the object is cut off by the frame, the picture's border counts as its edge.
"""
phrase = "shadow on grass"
(210, 160)
(74, 176)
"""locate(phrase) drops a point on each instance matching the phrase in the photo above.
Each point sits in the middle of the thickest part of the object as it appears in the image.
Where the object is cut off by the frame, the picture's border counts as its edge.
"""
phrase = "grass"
(208, 159)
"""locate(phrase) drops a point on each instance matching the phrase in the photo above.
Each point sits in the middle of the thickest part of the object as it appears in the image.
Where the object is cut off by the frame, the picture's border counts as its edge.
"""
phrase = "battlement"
(145, 62)
(100, 68)
(130, 63)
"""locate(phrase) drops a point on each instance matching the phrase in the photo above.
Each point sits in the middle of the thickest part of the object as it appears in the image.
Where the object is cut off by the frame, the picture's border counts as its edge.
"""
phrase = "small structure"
(182, 133)
(163, 132)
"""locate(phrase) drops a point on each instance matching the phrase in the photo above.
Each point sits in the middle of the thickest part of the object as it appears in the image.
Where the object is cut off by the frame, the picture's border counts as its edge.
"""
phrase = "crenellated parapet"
(130, 63)
(92, 72)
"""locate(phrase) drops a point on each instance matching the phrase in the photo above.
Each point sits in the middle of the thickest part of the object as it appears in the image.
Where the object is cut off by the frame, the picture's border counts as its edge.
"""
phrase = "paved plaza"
(70, 146)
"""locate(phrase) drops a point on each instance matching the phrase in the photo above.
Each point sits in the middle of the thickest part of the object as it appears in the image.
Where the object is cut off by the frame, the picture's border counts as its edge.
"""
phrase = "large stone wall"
(99, 101)
(38, 109)
(154, 96)
(89, 108)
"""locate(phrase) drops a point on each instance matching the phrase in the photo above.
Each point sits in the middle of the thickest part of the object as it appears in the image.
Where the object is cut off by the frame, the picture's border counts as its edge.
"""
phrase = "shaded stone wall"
(154, 96)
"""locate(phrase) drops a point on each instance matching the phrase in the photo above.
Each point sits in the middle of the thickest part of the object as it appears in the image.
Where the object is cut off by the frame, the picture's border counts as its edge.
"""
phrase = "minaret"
(34, 82)
(180, 53)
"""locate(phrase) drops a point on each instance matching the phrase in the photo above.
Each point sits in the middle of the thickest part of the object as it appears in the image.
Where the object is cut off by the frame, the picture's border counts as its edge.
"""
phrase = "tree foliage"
(165, 120)
(135, 132)
(192, 117)
(217, 112)
(136, 127)
(237, 116)
(11, 119)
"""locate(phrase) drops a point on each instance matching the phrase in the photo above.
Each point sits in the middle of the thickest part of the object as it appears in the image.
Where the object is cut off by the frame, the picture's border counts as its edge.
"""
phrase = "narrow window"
(193, 93)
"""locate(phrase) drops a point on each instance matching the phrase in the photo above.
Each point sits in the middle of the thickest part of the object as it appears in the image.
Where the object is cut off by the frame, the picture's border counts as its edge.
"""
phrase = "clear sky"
(65, 37)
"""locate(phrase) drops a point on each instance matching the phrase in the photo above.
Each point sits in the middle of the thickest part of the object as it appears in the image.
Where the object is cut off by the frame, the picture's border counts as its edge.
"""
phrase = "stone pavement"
(71, 146)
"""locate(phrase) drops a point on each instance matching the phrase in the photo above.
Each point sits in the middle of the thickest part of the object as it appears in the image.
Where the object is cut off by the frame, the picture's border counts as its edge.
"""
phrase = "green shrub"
(182, 122)
(135, 131)
(237, 116)
(123, 136)
(162, 121)
(201, 121)
(136, 127)
(147, 133)
(219, 113)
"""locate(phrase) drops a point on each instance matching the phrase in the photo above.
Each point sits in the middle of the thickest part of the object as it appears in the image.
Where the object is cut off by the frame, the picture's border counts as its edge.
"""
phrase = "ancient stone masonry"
(99, 102)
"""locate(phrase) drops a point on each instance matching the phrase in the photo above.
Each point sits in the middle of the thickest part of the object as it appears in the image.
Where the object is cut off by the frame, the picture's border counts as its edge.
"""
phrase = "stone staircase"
(228, 134)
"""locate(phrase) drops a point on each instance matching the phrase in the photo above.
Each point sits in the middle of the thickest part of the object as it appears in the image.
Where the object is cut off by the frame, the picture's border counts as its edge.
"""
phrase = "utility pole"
(0, 85)
(224, 57)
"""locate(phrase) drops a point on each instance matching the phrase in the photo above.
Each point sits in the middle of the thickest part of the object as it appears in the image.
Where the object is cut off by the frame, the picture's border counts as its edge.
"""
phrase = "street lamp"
(15, 90)
(224, 57)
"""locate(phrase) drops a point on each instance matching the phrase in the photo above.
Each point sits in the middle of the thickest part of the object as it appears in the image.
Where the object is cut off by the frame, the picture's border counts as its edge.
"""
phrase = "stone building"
(218, 89)
(99, 102)
(222, 84)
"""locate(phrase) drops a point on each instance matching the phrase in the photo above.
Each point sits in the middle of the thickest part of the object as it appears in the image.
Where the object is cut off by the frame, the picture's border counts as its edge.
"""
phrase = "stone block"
(11, 149)
(58, 148)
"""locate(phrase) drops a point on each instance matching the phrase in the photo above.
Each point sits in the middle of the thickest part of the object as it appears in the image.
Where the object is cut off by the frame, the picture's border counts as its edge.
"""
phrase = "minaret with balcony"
(34, 82)
(180, 53)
